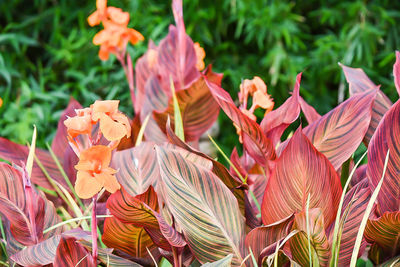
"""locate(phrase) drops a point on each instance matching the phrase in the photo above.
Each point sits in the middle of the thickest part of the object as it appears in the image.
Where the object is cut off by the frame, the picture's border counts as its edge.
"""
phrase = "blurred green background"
(46, 53)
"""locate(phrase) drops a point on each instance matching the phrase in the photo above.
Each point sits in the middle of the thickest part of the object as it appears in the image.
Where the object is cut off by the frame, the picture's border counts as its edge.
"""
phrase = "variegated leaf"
(360, 83)
(319, 244)
(203, 207)
(300, 171)
(338, 133)
(386, 137)
(137, 167)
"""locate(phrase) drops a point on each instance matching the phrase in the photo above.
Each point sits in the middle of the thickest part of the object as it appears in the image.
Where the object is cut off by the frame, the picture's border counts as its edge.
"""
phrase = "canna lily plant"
(154, 199)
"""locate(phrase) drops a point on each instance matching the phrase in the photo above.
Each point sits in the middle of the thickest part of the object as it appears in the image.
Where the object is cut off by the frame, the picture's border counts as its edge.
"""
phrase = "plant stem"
(94, 229)
(177, 257)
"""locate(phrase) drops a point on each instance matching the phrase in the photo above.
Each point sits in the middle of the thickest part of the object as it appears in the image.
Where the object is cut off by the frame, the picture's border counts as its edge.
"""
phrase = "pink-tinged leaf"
(213, 76)
(396, 72)
(309, 112)
(45, 252)
(14, 207)
(18, 153)
(275, 122)
(198, 109)
(177, 57)
(128, 238)
(359, 83)
(300, 171)
(140, 211)
(355, 203)
(232, 182)
(319, 244)
(359, 175)
(40, 254)
(261, 237)
(254, 140)
(71, 253)
(195, 194)
(138, 168)
(338, 133)
(386, 137)
(385, 232)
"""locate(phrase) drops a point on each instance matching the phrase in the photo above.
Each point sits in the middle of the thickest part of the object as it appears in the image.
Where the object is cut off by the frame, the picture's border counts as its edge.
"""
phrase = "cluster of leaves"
(45, 55)
(282, 202)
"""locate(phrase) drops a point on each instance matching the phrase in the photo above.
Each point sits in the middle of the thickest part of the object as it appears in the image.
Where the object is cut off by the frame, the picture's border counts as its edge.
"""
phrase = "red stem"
(94, 230)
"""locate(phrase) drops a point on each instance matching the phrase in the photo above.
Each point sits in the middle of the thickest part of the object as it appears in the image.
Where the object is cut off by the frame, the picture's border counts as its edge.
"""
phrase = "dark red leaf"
(386, 137)
(71, 253)
(300, 171)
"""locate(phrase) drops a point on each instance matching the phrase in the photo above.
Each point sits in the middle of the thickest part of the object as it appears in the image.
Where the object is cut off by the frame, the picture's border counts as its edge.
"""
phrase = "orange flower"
(116, 34)
(113, 124)
(94, 172)
(258, 90)
(200, 54)
(1, 102)
(80, 124)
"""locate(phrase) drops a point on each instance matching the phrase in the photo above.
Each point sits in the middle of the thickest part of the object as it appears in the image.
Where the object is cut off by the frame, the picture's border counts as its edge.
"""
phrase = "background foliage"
(46, 53)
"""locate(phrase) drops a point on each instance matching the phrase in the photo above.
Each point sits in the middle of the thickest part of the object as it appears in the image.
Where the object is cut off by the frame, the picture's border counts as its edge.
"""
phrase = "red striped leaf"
(194, 194)
(360, 83)
(255, 142)
(14, 207)
(300, 171)
(357, 199)
(137, 167)
(396, 72)
(309, 112)
(18, 153)
(386, 137)
(385, 232)
(128, 238)
(198, 108)
(319, 244)
(71, 253)
(338, 133)
(261, 237)
(275, 122)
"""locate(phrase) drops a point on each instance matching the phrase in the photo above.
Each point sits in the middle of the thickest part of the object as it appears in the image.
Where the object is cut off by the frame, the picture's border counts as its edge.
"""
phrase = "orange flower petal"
(1, 102)
(101, 6)
(259, 84)
(101, 37)
(104, 106)
(104, 53)
(86, 186)
(263, 100)
(99, 153)
(200, 54)
(135, 36)
(110, 182)
(121, 118)
(94, 19)
(111, 129)
(118, 16)
(79, 125)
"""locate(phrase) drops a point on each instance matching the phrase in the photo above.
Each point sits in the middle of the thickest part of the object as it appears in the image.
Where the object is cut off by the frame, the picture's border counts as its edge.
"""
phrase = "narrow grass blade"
(308, 229)
(366, 215)
(141, 131)
(179, 131)
(31, 155)
(73, 220)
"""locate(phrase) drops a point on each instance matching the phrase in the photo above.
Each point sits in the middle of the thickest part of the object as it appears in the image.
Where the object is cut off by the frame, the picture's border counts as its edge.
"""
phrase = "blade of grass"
(308, 229)
(364, 220)
(3, 234)
(335, 247)
(255, 264)
(141, 131)
(274, 256)
(237, 172)
(73, 220)
(179, 131)
(71, 187)
(31, 155)
(67, 216)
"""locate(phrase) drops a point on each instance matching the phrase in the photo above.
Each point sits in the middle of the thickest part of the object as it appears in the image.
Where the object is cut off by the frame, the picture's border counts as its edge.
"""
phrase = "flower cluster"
(116, 34)
(257, 89)
(93, 168)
